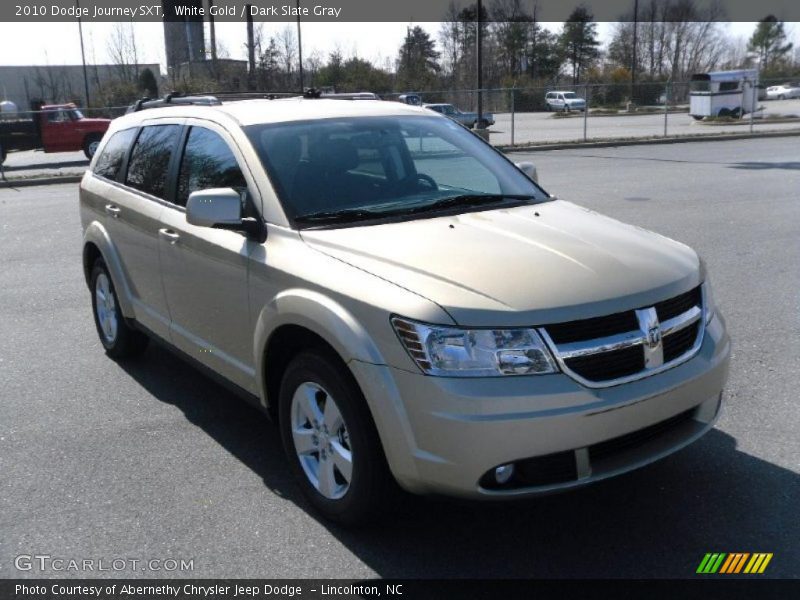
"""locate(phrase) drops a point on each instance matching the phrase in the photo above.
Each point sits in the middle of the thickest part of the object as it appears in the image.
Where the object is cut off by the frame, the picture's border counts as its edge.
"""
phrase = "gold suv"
(411, 306)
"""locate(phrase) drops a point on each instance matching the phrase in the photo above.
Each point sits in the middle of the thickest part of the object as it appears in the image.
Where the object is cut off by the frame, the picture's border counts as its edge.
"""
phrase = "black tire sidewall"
(129, 341)
(359, 502)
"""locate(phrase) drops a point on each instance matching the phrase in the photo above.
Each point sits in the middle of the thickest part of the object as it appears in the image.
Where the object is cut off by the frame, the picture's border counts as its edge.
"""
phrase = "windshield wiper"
(348, 215)
(468, 200)
(340, 216)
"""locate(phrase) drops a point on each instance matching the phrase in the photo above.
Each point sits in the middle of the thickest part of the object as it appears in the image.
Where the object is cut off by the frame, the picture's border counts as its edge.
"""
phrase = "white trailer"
(723, 93)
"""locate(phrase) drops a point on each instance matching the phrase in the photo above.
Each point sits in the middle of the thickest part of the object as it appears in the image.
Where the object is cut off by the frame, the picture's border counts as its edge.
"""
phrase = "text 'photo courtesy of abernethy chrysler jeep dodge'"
(413, 309)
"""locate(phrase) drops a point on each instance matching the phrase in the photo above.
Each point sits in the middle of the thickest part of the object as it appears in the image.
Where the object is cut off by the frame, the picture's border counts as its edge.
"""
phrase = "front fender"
(97, 235)
(319, 314)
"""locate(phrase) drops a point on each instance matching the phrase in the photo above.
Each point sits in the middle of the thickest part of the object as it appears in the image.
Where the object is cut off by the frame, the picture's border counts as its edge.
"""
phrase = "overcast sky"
(58, 43)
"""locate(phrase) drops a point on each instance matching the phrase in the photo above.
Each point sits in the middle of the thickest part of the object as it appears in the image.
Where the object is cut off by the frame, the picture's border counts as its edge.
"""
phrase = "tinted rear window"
(149, 162)
(110, 159)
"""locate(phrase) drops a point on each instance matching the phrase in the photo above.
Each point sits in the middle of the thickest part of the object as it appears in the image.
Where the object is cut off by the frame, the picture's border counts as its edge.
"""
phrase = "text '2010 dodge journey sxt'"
(413, 309)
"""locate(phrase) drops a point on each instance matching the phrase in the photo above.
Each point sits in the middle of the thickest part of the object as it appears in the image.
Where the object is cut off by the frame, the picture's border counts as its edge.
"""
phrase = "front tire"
(331, 442)
(119, 339)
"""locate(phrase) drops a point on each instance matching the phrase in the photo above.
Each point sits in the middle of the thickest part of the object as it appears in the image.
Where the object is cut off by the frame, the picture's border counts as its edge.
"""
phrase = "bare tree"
(121, 48)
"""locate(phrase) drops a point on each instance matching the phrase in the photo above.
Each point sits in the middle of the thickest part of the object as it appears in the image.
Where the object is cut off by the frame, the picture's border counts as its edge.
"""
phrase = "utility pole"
(479, 55)
(251, 50)
(83, 55)
(635, 27)
(212, 30)
(299, 49)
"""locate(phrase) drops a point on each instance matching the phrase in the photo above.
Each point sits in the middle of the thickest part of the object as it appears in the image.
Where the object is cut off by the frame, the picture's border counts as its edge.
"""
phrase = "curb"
(15, 183)
(677, 139)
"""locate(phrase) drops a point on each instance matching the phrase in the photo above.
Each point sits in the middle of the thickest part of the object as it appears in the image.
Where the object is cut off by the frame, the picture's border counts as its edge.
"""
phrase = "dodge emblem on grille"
(654, 336)
(650, 329)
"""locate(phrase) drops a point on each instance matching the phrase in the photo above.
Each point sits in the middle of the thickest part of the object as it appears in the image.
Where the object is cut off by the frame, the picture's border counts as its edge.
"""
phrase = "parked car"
(412, 308)
(783, 92)
(468, 119)
(52, 128)
(412, 99)
(564, 101)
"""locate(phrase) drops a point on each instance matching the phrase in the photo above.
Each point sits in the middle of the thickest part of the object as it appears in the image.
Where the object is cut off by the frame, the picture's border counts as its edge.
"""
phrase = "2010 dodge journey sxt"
(411, 306)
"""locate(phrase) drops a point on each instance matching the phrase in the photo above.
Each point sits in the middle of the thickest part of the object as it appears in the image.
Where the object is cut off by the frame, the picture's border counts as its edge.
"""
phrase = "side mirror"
(214, 207)
(529, 169)
(221, 208)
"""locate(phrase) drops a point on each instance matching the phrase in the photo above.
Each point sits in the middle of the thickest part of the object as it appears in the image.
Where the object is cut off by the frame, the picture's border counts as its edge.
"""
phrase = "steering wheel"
(427, 179)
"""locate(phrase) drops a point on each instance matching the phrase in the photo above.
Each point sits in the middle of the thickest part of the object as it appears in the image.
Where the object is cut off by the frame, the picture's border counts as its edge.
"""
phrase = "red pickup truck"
(52, 128)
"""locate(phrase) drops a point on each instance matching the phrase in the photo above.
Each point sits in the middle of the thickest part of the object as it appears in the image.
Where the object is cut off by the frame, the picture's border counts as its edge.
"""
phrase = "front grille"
(678, 305)
(608, 365)
(680, 342)
(597, 327)
(637, 438)
(627, 337)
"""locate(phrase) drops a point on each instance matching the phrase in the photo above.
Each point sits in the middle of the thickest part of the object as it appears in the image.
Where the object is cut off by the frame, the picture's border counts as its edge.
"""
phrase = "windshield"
(76, 114)
(389, 165)
(570, 95)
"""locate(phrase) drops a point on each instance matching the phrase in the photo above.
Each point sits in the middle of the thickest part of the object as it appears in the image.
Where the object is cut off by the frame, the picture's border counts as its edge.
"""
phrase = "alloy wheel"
(321, 440)
(106, 308)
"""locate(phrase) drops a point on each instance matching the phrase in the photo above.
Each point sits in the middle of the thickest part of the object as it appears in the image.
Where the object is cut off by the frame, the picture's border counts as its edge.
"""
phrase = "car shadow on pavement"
(658, 521)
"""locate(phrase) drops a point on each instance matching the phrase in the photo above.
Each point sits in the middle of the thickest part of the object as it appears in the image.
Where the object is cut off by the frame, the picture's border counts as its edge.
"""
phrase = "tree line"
(666, 40)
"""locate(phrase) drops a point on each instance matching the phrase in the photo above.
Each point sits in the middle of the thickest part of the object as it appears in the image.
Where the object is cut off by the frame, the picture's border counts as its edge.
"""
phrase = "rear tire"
(119, 339)
(331, 442)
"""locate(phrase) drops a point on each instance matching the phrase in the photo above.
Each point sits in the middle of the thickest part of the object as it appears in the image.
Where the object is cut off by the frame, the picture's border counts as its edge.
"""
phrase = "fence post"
(666, 107)
(513, 93)
(753, 105)
(585, 109)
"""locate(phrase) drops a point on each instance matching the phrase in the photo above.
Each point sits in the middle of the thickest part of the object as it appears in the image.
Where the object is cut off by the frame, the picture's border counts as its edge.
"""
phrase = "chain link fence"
(531, 115)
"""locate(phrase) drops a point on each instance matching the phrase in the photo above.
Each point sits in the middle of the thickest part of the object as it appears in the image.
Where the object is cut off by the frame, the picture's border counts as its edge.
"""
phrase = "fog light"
(504, 473)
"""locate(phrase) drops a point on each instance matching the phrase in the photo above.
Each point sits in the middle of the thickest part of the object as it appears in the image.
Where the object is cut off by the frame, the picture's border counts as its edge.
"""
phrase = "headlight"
(457, 352)
(708, 302)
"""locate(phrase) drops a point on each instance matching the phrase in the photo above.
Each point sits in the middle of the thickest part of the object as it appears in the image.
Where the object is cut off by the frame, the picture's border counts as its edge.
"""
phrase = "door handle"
(169, 235)
(113, 210)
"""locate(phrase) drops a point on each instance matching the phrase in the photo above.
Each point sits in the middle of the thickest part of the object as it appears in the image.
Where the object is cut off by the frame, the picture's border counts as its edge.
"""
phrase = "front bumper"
(442, 435)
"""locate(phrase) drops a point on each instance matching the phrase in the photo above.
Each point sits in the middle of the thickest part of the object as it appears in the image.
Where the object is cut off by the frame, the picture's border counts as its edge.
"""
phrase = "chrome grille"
(625, 346)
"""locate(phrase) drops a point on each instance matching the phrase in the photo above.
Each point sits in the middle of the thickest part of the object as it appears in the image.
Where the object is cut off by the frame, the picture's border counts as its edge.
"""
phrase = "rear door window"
(207, 162)
(110, 159)
(150, 159)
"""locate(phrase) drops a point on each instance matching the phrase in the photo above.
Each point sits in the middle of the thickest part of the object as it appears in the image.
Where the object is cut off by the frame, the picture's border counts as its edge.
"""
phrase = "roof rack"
(229, 96)
(173, 99)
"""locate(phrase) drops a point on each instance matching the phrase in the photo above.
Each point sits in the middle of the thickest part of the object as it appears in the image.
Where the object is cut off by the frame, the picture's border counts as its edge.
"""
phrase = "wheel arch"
(300, 319)
(97, 244)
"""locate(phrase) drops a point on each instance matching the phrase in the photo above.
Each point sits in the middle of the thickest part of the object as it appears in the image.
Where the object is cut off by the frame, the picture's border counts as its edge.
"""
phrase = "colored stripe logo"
(734, 563)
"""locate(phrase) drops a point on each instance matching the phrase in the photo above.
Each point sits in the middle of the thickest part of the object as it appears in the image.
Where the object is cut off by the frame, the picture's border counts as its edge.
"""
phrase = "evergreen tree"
(148, 84)
(418, 60)
(579, 41)
(769, 42)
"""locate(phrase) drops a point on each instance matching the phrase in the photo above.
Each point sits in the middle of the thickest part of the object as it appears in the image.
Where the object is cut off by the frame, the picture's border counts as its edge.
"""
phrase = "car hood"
(511, 267)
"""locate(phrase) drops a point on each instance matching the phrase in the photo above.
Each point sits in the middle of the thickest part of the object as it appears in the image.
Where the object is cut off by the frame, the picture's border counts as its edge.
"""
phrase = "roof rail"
(174, 98)
(249, 95)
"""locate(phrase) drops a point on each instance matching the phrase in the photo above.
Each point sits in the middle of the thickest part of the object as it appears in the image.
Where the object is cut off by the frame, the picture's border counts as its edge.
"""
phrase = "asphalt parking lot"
(152, 460)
